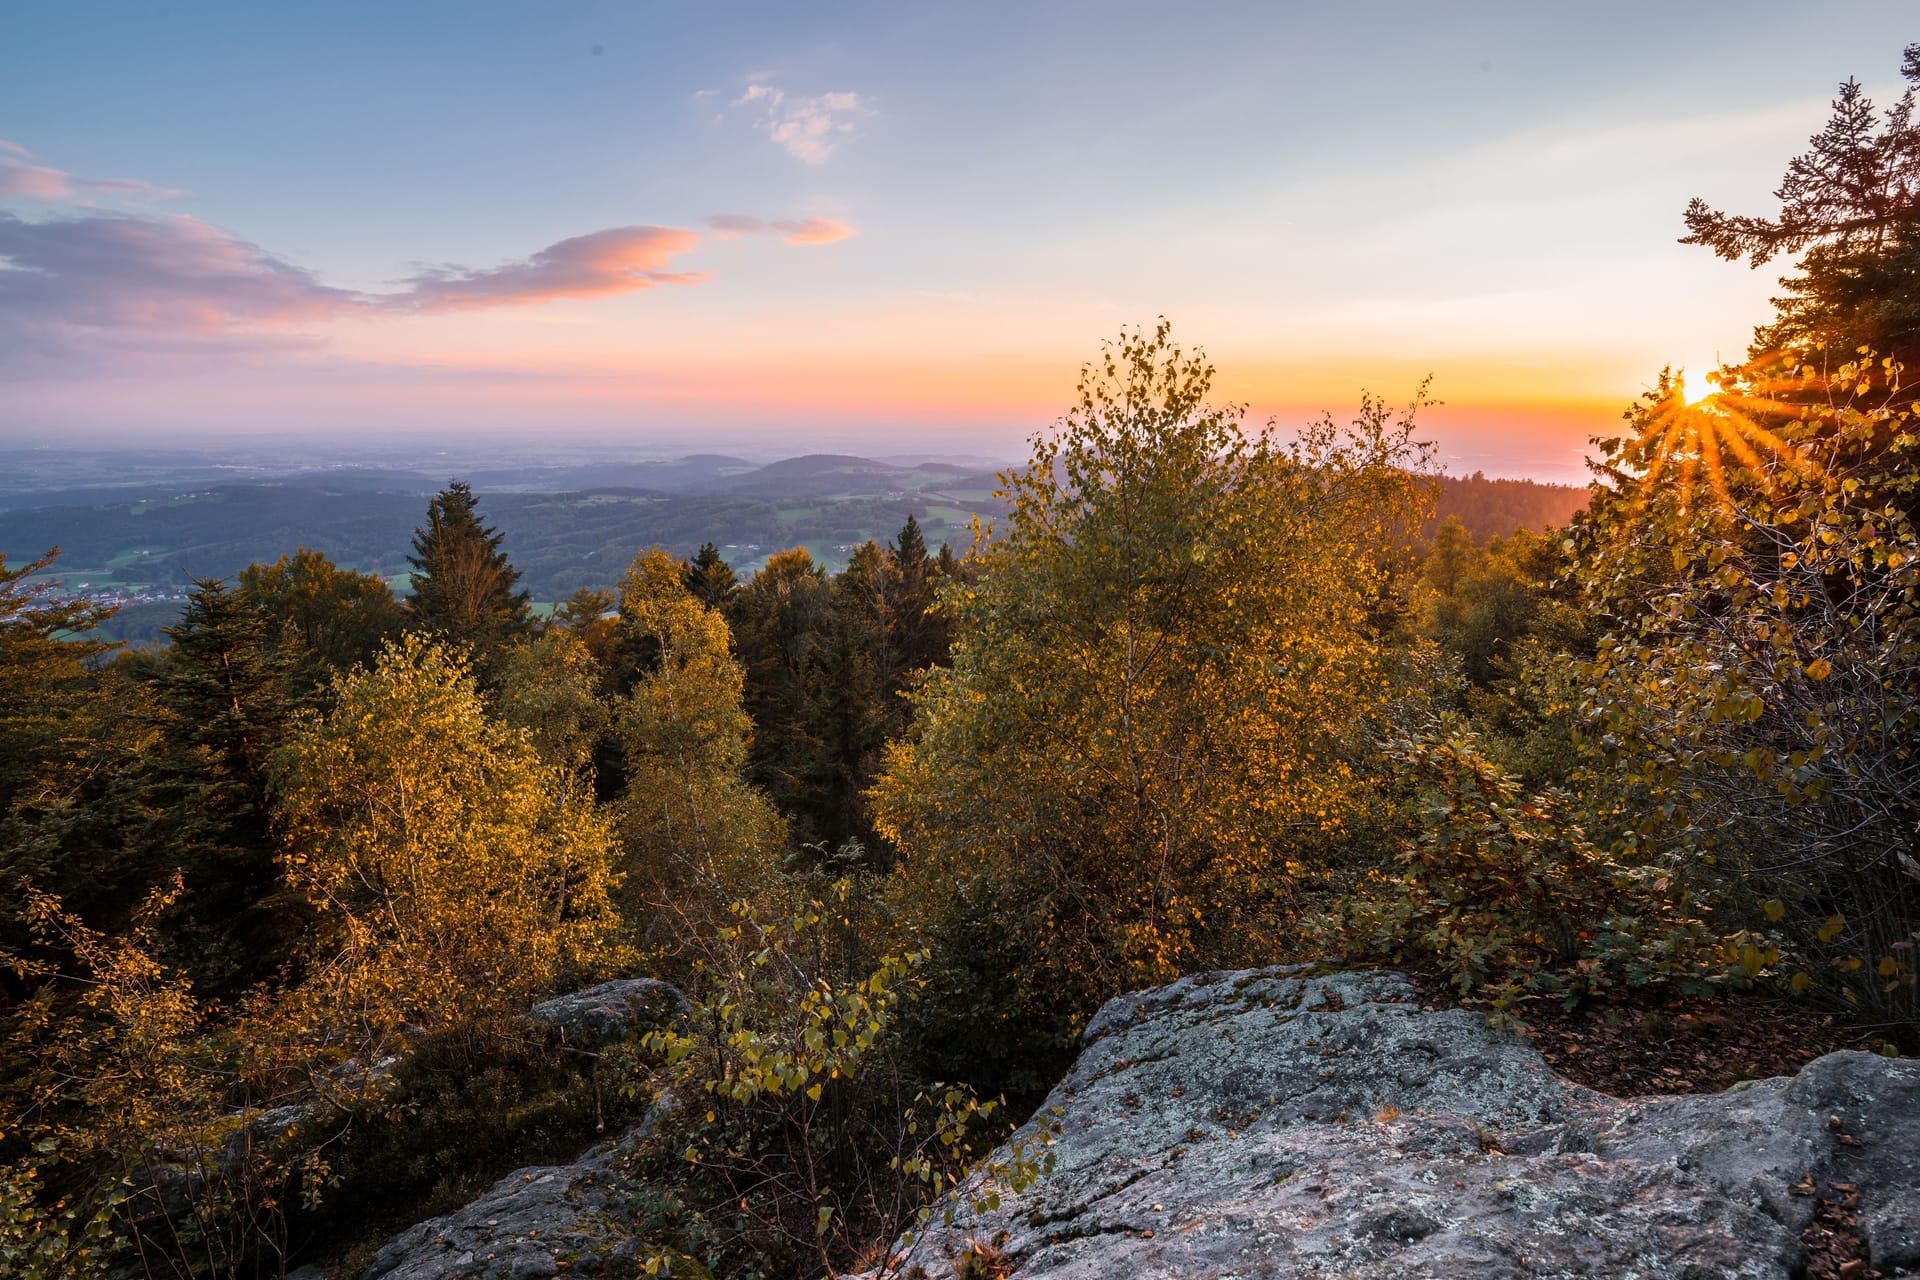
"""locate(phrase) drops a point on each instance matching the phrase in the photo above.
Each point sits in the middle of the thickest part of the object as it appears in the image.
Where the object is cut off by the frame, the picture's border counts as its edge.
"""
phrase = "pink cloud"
(33, 182)
(809, 231)
(110, 282)
(22, 180)
(177, 273)
(815, 231)
(597, 265)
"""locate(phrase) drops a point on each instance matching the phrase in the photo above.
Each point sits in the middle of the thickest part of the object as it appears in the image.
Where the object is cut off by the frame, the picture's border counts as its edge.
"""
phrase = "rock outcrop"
(571, 1219)
(1289, 1122)
(609, 1012)
(531, 1223)
(1279, 1123)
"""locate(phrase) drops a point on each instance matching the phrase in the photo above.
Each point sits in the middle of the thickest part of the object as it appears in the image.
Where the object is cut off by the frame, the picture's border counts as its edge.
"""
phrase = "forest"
(279, 893)
(143, 546)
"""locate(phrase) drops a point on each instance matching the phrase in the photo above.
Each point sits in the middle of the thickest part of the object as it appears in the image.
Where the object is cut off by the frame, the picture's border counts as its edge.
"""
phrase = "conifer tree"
(777, 620)
(852, 672)
(463, 584)
(1851, 202)
(917, 635)
(223, 691)
(47, 690)
(710, 578)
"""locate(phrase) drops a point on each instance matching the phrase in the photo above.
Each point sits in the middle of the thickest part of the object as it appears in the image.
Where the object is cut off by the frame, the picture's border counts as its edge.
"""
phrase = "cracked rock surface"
(550, 1220)
(533, 1222)
(1283, 1122)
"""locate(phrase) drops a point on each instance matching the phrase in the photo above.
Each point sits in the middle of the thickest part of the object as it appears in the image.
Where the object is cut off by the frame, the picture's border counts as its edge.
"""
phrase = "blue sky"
(389, 212)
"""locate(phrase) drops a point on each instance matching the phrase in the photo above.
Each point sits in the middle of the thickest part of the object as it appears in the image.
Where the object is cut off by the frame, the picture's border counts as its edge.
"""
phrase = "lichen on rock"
(1291, 1122)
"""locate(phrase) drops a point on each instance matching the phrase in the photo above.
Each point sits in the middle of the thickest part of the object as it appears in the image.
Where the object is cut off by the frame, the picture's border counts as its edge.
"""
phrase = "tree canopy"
(463, 584)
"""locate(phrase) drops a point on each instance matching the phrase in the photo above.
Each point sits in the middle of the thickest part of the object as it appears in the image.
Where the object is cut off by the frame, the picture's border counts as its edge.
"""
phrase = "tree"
(72, 734)
(711, 579)
(1852, 203)
(223, 693)
(851, 684)
(452, 871)
(590, 617)
(915, 633)
(696, 835)
(1477, 602)
(1757, 681)
(1161, 689)
(463, 584)
(341, 617)
(48, 688)
(777, 621)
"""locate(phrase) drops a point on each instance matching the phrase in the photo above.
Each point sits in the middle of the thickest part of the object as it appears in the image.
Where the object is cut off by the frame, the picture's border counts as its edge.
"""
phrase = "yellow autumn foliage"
(449, 868)
(1164, 674)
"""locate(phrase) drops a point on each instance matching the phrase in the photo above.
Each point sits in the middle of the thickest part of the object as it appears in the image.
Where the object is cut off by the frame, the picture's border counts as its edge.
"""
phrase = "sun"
(1699, 386)
(1711, 424)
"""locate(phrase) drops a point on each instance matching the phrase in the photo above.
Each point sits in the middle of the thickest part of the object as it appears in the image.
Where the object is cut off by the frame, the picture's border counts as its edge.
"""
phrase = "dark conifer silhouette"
(463, 584)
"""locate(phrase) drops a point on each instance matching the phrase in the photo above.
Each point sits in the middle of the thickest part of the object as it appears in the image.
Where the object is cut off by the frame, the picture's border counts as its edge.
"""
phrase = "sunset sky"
(893, 227)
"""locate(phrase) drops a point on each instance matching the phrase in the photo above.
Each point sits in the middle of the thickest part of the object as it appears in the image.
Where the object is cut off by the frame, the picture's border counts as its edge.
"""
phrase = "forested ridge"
(278, 895)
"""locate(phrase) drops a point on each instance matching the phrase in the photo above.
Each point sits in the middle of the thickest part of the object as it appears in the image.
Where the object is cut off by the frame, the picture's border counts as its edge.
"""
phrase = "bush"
(799, 1140)
(1509, 895)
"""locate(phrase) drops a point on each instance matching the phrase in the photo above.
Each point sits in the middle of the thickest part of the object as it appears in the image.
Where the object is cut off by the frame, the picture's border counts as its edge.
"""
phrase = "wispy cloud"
(21, 179)
(603, 263)
(809, 127)
(176, 273)
(801, 231)
(114, 285)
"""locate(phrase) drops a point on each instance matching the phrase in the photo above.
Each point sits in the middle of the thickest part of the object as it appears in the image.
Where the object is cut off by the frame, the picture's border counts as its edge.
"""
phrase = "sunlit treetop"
(1766, 425)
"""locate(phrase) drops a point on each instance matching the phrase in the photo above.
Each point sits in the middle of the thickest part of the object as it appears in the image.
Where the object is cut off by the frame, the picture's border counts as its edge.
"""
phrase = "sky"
(780, 228)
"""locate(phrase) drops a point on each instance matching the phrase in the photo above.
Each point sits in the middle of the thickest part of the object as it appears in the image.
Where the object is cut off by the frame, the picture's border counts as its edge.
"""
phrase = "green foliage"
(710, 579)
(73, 736)
(47, 686)
(61, 1239)
(467, 1106)
(1508, 894)
(1759, 675)
(801, 1139)
(463, 584)
(549, 687)
(341, 618)
(827, 663)
(1476, 602)
(223, 692)
(1852, 202)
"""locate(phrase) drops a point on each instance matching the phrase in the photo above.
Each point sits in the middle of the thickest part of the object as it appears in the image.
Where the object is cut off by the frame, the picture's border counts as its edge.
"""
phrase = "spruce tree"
(915, 636)
(463, 584)
(711, 579)
(224, 695)
(1851, 205)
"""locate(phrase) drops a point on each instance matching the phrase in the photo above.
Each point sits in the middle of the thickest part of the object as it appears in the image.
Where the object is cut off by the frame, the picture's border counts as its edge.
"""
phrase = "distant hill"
(566, 527)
